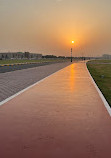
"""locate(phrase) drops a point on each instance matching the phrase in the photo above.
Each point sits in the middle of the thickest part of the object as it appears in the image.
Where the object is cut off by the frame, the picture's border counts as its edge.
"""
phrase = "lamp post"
(71, 54)
(71, 51)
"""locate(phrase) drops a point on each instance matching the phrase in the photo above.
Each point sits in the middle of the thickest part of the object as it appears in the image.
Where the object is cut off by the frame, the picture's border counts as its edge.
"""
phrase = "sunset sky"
(49, 26)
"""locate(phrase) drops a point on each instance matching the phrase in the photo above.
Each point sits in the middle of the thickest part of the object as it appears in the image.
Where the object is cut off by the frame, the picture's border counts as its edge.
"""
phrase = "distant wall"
(106, 56)
(20, 55)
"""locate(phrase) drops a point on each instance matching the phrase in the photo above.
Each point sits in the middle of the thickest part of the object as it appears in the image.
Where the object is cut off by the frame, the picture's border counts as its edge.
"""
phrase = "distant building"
(27, 55)
(106, 56)
(20, 55)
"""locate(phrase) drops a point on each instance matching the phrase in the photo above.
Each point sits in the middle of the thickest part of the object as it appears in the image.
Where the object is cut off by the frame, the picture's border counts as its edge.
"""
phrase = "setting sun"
(73, 42)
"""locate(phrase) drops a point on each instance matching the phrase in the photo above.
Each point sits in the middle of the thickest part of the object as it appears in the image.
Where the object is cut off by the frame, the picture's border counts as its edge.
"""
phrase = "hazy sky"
(49, 26)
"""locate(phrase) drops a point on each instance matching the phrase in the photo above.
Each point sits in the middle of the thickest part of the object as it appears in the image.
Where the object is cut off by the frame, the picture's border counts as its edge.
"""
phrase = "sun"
(72, 41)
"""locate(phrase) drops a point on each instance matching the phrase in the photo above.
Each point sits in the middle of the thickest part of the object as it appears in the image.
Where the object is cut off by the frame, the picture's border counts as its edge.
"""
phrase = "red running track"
(61, 117)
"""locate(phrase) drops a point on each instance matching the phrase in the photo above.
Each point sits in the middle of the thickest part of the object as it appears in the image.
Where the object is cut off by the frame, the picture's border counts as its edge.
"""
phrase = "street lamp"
(71, 51)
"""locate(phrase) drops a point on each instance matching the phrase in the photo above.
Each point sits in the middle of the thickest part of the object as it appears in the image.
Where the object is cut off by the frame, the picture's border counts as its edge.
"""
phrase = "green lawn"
(29, 61)
(102, 76)
(100, 61)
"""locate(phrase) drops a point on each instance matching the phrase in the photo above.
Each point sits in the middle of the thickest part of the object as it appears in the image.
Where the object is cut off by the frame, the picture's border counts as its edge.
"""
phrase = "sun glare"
(72, 41)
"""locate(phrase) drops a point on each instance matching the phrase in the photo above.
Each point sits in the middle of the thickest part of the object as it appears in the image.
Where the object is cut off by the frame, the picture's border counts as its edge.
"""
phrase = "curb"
(100, 93)
(19, 64)
(14, 64)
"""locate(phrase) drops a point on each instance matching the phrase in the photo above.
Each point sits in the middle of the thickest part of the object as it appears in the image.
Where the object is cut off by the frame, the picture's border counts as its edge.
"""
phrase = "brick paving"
(19, 66)
(15, 81)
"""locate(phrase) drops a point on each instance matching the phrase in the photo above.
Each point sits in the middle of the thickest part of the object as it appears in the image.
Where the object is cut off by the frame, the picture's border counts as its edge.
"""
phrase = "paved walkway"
(61, 117)
(15, 81)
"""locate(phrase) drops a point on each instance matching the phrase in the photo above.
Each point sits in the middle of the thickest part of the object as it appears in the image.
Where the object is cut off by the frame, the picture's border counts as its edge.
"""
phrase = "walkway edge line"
(25, 89)
(100, 93)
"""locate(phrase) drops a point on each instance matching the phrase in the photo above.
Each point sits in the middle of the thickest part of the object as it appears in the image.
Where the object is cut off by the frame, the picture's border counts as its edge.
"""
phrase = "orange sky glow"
(49, 26)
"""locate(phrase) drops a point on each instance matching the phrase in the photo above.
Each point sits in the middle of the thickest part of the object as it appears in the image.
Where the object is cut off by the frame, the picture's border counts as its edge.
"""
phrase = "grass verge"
(101, 73)
(29, 61)
(100, 61)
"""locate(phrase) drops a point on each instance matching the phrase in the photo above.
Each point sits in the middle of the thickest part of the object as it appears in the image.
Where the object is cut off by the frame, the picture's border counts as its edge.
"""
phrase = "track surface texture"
(61, 117)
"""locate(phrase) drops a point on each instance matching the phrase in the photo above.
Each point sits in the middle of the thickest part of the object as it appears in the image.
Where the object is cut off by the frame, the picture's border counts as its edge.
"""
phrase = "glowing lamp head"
(73, 42)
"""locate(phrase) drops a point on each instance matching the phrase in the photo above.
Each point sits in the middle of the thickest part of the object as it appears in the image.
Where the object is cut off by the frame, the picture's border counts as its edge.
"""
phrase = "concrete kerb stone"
(100, 93)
